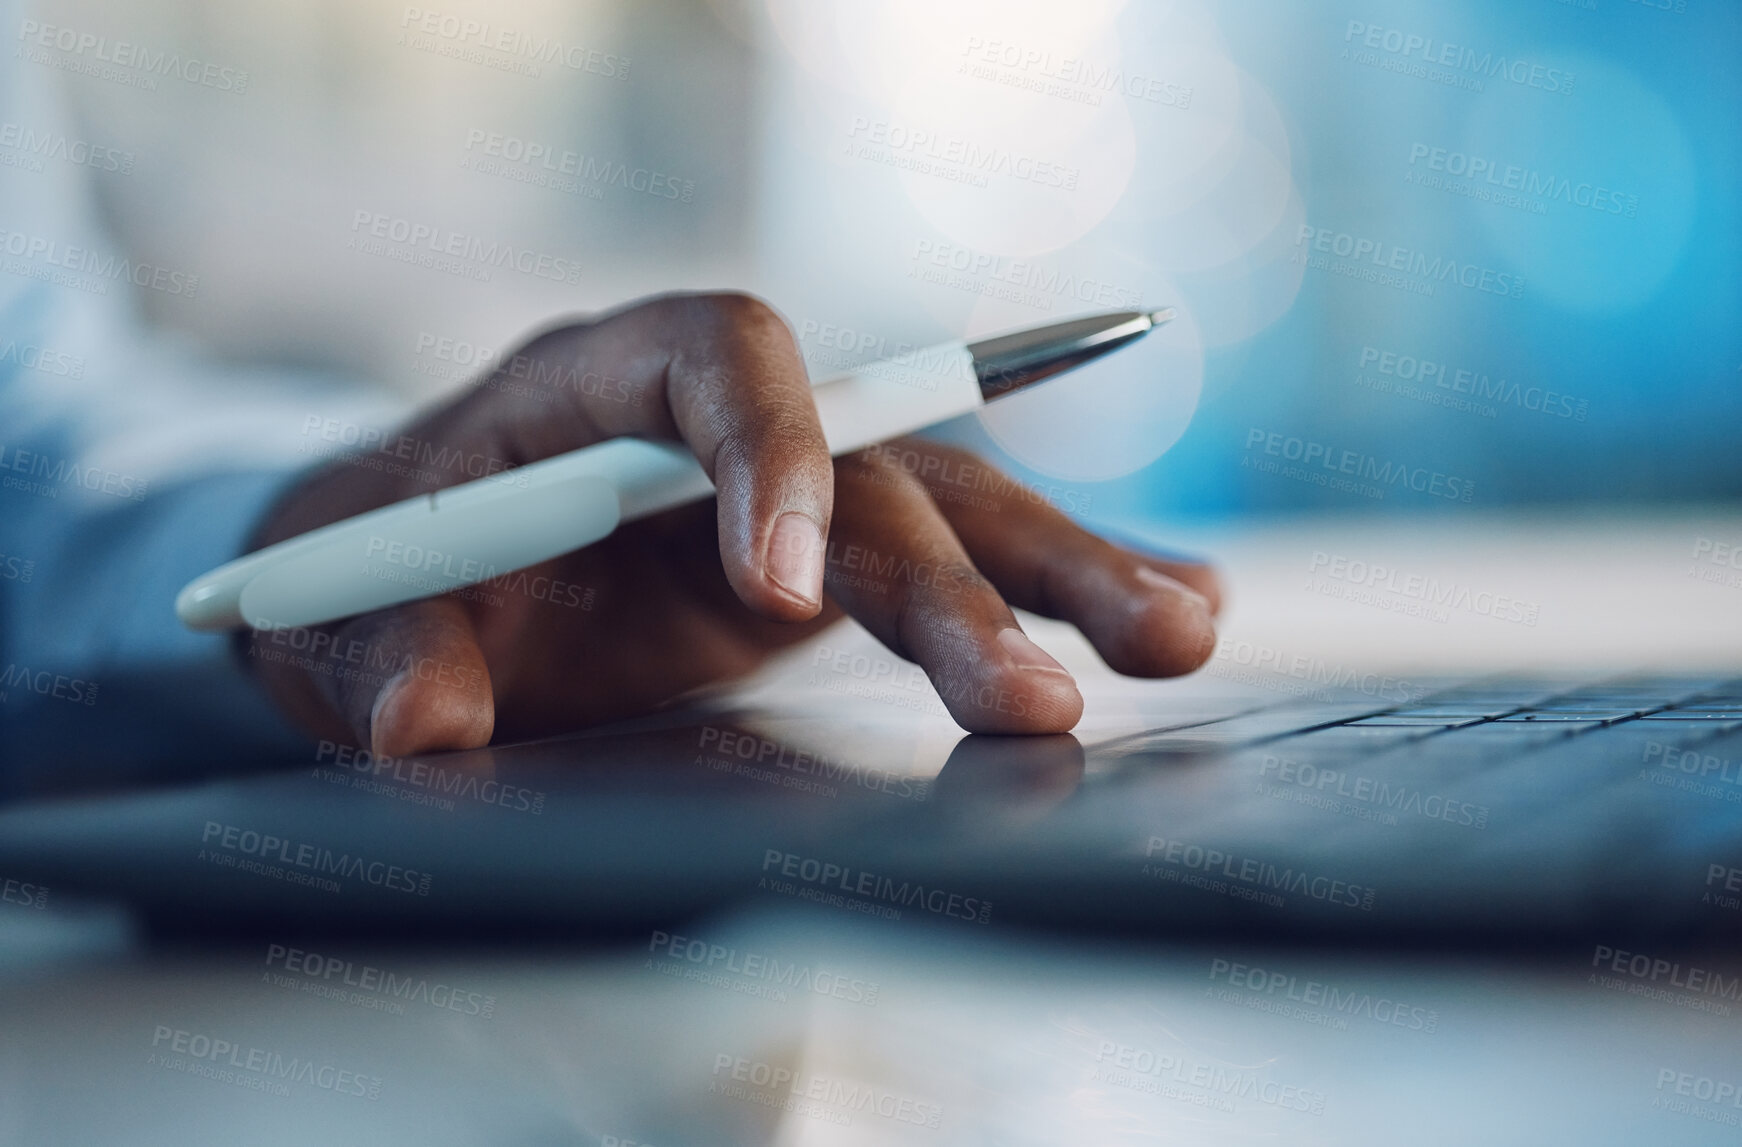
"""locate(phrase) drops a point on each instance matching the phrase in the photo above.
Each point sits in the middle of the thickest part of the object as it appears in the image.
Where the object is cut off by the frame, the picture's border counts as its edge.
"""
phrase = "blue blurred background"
(1430, 257)
(1632, 316)
(1472, 254)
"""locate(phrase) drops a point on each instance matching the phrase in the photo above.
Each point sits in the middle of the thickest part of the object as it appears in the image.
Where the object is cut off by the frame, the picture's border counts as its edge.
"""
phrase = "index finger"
(721, 373)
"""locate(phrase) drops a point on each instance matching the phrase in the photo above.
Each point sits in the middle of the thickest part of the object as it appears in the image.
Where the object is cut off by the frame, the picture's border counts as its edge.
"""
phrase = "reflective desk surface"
(637, 937)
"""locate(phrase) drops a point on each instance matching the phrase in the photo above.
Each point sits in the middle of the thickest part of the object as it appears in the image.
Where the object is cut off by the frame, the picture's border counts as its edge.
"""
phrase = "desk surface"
(800, 1028)
(799, 1022)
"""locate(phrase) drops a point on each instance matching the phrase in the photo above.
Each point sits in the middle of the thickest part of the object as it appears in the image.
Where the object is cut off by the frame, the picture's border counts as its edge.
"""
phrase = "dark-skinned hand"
(920, 542)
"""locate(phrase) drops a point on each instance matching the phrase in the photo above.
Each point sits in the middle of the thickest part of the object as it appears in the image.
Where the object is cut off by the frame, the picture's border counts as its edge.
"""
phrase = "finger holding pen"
(697, 594)
(719, 373)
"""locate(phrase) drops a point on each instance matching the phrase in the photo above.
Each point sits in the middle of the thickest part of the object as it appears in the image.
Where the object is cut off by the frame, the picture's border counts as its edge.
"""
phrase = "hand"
(925, 546)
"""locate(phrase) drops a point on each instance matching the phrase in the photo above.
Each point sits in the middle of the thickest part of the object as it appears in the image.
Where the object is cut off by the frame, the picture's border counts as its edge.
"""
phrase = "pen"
(438, 542)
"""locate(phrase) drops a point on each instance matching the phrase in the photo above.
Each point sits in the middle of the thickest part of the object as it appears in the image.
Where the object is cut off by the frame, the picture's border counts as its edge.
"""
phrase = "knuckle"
(957, 578)
(789, 423)
(932, 596)
(777, 434)
(927, 448)
(944, 467)
(874, 465)
(738, 311)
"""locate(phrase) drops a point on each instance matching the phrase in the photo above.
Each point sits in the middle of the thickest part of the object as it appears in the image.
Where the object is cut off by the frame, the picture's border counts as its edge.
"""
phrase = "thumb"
(428, 686)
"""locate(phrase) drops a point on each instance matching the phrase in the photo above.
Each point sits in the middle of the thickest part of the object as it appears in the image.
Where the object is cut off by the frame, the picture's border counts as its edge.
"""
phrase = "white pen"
(443, 541)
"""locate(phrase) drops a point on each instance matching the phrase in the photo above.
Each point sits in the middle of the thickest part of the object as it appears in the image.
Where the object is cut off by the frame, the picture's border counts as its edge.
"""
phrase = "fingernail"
(1179, 589)
(1026, 654)
(388, 694)
(795, 557)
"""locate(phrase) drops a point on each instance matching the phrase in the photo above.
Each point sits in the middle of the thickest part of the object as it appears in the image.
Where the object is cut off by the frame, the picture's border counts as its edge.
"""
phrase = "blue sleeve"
(129, 464)
(98, 676)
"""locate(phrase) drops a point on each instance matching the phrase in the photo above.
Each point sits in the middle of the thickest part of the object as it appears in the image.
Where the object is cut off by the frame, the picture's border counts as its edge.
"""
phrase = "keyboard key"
(1457, 712)
(1413, 720)
(1352, 738)
(1605, 707)
(1233, 732)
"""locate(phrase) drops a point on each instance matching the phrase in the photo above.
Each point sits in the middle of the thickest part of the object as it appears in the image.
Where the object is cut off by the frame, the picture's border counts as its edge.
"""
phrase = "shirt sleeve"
(129, 464)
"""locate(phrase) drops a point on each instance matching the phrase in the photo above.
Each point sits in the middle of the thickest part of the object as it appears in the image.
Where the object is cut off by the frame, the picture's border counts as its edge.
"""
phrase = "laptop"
(1276, 795)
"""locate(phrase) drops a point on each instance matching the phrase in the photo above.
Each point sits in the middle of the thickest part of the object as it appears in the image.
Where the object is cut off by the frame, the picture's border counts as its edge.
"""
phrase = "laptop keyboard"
(1490, 715)
(1542, 804)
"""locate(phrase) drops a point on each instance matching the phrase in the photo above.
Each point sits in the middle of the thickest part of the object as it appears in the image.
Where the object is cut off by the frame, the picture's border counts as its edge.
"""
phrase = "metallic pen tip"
(1166, 314)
